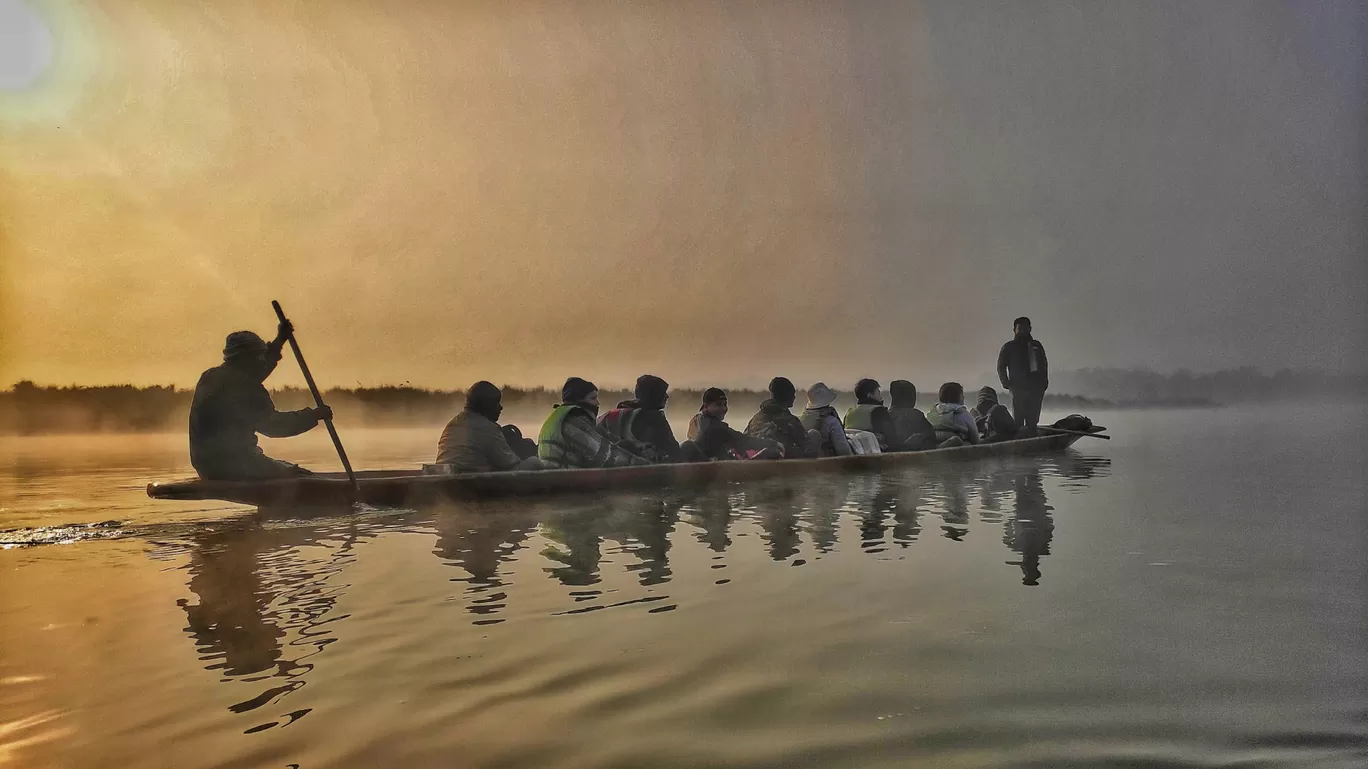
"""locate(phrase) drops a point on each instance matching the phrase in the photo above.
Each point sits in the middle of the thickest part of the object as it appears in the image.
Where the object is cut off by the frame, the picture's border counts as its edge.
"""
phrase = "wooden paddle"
(1076, 432)
(318, 398)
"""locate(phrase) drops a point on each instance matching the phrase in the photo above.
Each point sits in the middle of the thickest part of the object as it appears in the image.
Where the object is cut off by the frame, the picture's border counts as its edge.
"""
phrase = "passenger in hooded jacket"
(775, 422)
(642, 420)
(954, 425)
(473, 441)
(570, 439)
(913, 428)
(994, 421)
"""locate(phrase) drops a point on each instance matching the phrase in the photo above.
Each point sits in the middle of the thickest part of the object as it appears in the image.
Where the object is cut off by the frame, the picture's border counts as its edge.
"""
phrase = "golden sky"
(713, 192)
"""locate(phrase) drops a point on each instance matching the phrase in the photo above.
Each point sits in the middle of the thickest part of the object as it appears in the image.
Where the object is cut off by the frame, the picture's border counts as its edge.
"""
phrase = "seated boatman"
(231, 406)
(641, 421)
(570, 439)
(473, 441)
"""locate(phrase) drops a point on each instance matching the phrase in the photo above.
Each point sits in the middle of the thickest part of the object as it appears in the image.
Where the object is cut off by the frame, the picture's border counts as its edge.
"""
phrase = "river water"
(1191, 593)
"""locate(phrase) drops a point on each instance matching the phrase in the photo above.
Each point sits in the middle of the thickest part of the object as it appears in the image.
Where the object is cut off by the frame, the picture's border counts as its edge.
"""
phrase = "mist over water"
(714, 192)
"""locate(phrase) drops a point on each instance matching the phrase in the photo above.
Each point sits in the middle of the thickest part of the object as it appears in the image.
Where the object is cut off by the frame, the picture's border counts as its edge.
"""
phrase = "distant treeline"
(1143, 387)
(28, 409)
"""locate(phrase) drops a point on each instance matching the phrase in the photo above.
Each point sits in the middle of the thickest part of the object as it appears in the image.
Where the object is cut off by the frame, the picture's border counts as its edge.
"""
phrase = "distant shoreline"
(35, 410)
(30, 409)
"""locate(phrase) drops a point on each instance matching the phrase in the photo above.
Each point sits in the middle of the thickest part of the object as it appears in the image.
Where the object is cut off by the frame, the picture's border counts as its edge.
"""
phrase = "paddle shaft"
(1076, 432)
(318, 397)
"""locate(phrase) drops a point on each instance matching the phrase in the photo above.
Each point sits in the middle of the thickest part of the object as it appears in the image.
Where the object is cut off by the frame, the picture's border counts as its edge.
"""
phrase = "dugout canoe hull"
(409, 488)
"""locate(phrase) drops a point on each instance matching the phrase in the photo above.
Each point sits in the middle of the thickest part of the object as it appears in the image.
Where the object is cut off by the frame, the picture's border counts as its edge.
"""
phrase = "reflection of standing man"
(1031, 527)
(1023, 369)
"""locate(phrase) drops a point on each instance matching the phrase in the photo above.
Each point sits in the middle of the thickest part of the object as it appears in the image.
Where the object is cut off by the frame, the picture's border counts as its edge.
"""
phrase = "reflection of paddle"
(1076, 432)
(318, 399)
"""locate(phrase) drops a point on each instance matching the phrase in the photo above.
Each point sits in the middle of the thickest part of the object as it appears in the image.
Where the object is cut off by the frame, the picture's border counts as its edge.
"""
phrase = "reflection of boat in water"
(412, 487)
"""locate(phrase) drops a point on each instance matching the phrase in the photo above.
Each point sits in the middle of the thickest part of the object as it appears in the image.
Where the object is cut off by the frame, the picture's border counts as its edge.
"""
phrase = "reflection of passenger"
(778, 519)
(579, 550)
(885, 501)
(480, 540)
(907, 515)
(954, 494)
(712, 509)
(1031, 528)
(650, 528)
(577, 536)
(823, 502)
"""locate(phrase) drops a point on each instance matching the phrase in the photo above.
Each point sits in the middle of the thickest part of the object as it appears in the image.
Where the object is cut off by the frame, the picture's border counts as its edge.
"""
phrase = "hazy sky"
(712, 192)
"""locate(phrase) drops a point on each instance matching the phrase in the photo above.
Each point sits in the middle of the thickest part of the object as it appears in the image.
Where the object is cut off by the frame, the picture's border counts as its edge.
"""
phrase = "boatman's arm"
(282, 424)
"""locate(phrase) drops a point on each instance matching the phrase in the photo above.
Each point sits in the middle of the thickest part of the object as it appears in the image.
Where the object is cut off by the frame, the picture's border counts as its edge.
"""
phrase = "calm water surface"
(1189, 594)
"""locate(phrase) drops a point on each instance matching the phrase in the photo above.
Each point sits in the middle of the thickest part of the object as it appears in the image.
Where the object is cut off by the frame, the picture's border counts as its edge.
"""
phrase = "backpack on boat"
(1075, 422)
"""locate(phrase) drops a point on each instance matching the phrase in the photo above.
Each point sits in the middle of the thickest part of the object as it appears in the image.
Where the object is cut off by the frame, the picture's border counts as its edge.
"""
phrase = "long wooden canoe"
(407, 488)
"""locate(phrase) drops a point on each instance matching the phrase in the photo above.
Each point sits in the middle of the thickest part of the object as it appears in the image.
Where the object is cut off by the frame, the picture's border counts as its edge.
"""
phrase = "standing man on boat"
(1024, 370)
(231, 406)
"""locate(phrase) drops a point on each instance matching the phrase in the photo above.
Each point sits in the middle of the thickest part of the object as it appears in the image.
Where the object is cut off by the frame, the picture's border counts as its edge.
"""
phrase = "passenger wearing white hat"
(820, 416)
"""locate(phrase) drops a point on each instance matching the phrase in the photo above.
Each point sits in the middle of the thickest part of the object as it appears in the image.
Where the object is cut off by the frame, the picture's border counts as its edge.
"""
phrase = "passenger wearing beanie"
(912, 425)
(715, 439)
(870, 415)
(473, 442)
(642, 421)
(571, 439)
(774, 421)
(231, 405)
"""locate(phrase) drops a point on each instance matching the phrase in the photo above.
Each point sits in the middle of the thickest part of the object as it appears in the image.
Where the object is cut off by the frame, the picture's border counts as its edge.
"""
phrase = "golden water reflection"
(266, 592)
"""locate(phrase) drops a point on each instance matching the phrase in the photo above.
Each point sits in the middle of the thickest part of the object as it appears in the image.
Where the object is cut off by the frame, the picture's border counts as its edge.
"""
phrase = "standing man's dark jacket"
(1015, 369)
(230, 407)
